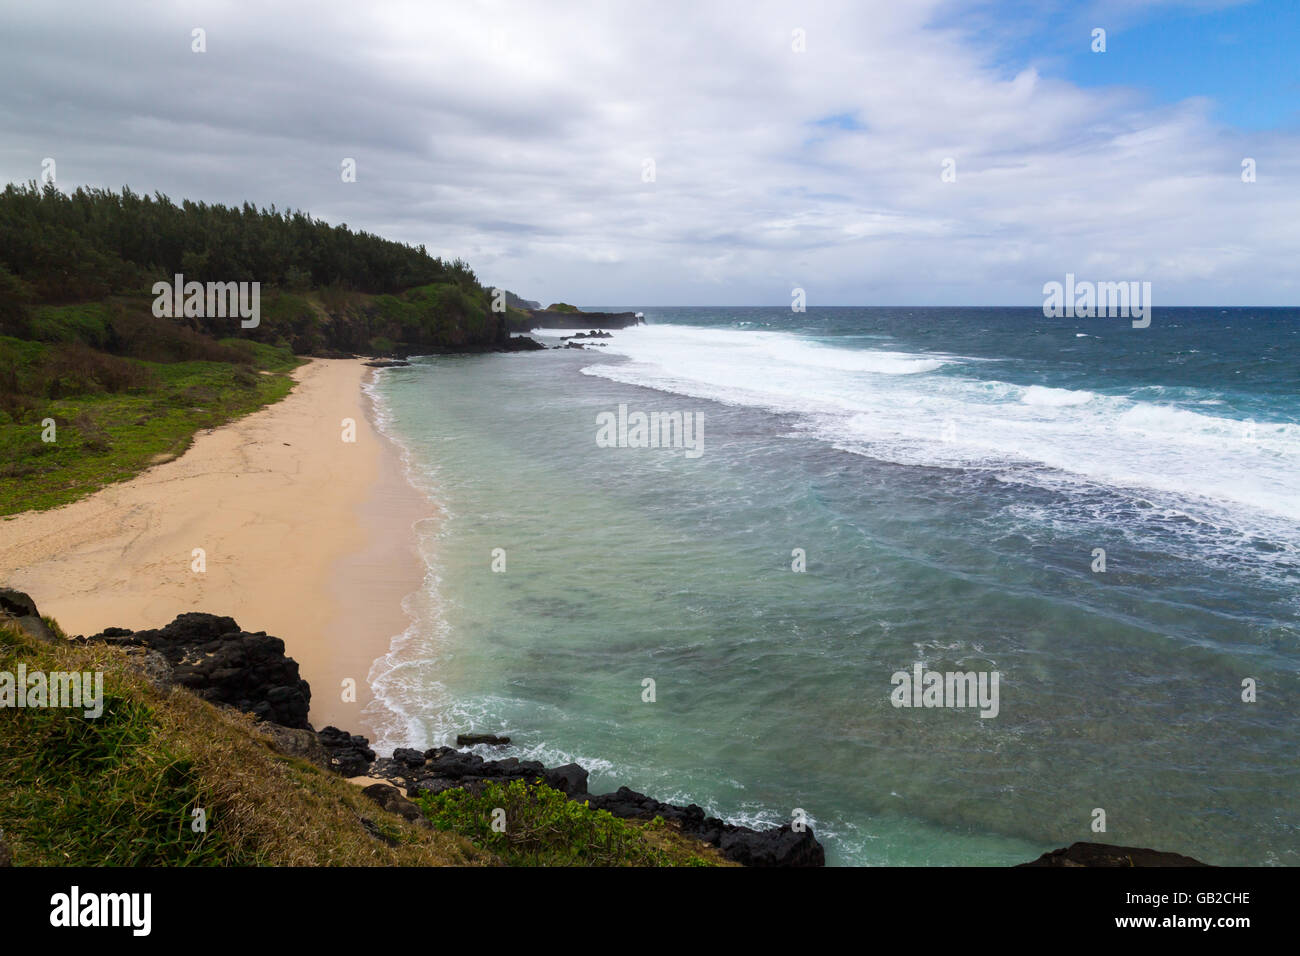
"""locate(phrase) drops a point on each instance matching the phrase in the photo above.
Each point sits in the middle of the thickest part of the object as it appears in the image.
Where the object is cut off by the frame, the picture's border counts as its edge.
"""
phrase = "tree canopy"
(96, 242)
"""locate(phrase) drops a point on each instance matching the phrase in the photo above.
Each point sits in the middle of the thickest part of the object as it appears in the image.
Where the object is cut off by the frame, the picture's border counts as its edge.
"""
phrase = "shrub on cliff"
(534, 825)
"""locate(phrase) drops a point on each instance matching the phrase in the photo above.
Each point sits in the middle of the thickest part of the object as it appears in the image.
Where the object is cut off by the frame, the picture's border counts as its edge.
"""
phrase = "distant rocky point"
(562, 319)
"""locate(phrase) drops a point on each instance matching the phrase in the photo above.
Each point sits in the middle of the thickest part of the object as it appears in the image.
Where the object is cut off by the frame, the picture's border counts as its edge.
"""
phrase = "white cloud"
(513, 135)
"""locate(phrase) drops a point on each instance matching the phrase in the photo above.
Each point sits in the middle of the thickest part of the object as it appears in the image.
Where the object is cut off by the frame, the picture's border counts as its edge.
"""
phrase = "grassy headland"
(123, 788)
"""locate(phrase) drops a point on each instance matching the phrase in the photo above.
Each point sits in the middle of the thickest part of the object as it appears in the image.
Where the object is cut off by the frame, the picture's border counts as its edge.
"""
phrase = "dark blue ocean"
(951, 477)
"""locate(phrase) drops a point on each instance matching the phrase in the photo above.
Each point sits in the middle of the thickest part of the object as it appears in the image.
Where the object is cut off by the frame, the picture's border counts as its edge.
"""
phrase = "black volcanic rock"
(445, 768)
(521, 343)
(412, 758)
(212, 657)
(593, 334)
(19, 609)
(782, 846)
(453, 764)
(348, 754)
(570, 779)
(779, 846)
(1105, 854)
(471, 740)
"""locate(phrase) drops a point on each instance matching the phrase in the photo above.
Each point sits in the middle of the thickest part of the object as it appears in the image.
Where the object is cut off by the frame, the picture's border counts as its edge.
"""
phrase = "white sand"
(306, 537)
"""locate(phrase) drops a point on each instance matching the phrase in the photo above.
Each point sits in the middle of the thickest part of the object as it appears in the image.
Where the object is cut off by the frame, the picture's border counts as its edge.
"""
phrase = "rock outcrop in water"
(387, 363)
(473, 740)
(1104, 854)
(521, 343)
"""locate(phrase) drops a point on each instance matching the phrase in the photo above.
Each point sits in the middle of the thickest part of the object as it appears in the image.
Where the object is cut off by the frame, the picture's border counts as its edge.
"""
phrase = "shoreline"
(304, 536)
(373, 583)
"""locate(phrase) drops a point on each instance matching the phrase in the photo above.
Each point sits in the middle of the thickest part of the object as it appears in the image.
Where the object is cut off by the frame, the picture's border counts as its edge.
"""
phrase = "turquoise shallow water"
(949, 474)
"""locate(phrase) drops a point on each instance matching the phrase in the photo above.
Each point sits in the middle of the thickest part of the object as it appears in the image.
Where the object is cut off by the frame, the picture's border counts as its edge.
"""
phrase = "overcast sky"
(516, 135)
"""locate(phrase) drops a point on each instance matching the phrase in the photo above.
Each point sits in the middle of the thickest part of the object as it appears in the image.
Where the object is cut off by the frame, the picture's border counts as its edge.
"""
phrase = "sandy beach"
(304, 535)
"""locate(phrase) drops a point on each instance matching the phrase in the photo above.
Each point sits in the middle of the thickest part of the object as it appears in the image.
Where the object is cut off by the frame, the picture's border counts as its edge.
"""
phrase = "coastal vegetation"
(546, 828)
(96, 242)
(164, 778)
(82, 350)
(74, 418)
(122, 789)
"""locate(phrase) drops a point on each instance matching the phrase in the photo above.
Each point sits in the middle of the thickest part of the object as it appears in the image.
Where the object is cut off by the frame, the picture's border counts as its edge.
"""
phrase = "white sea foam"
(1054, 397)
(928, 409)
(410, 706)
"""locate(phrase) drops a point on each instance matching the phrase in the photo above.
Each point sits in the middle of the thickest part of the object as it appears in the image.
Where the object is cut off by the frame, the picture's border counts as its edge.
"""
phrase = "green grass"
(87, 322)
(120, 789)
(102, 436)
(538, 826)
(105, 791)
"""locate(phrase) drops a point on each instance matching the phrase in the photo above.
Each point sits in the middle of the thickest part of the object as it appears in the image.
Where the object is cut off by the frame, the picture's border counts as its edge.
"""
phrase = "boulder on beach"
(211, 656)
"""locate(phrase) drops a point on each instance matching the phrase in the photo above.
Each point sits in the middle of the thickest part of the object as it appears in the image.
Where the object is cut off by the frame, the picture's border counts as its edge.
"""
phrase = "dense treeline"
(84, 356)
(96, 242)
(324, 289)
